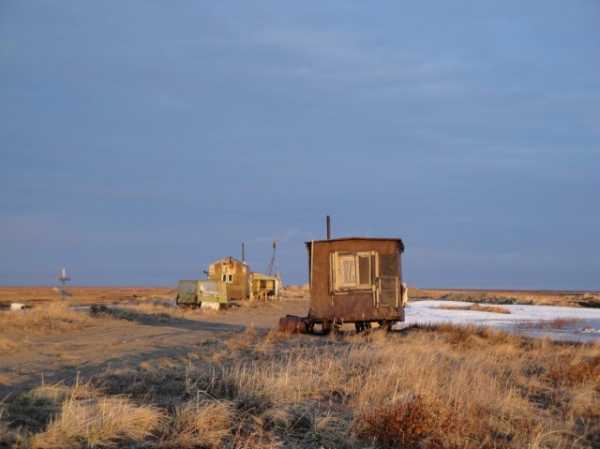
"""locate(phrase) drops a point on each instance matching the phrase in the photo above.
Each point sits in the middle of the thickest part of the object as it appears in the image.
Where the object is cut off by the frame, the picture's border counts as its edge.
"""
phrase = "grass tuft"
(98, 422)
(199, 424)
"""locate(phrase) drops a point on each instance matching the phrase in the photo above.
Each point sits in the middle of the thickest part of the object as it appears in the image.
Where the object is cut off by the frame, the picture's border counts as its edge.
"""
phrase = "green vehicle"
(201, 293)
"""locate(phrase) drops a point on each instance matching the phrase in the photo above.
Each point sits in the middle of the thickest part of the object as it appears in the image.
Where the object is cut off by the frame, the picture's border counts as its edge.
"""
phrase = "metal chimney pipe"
(243, 252)
(328, 224)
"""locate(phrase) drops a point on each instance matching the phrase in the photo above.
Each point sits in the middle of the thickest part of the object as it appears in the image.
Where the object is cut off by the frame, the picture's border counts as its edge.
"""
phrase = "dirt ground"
(114, 343)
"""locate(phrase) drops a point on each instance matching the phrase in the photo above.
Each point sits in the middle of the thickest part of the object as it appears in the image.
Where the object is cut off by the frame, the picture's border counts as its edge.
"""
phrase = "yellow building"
(234, 274)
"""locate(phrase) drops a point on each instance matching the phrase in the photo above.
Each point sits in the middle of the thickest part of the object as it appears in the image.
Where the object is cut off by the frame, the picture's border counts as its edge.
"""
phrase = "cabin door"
(388, 288)
(388, 291)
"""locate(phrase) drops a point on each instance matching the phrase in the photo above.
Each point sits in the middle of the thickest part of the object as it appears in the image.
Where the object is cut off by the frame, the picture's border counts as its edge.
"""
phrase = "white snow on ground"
(582, 324)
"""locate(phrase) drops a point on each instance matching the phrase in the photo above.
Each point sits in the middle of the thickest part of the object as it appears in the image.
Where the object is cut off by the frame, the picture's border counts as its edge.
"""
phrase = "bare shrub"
(412, 424)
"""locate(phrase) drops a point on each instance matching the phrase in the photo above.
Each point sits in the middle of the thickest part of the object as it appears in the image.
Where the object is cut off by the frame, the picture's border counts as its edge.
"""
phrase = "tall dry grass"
(199, 424)
(43, 319)
(98, 422)
(431, 388)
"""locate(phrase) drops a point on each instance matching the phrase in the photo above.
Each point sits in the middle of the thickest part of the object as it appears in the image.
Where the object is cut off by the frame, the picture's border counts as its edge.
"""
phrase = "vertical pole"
(243, 252)
(275, 266)
(328, 224)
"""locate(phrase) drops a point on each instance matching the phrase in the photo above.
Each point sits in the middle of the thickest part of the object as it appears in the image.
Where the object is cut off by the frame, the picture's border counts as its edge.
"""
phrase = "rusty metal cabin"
(234, 274)
(355, 280)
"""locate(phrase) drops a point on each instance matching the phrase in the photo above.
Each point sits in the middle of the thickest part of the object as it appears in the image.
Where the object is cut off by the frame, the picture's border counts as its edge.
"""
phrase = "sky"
(141, 140)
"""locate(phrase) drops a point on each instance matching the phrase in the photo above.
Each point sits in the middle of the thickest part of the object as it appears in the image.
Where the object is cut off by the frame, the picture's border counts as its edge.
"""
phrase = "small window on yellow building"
(227, 278)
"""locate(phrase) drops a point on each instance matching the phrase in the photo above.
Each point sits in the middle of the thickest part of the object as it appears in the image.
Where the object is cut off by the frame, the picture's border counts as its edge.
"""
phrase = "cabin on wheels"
(355, 280)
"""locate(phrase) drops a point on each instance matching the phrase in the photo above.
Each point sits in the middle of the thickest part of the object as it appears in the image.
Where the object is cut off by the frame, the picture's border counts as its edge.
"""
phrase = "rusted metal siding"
(355, 304)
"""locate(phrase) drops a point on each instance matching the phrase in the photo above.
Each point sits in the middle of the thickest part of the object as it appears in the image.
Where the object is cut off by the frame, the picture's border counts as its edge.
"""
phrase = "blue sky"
(139, 140)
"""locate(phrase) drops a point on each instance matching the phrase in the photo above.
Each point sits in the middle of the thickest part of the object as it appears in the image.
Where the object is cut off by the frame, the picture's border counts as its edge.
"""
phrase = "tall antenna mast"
(63, 278)
(272, 269)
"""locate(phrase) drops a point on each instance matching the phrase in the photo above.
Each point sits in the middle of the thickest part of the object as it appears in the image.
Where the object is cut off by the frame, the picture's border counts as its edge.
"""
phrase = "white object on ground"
(583, 324)
(17, 306)
(210, 305)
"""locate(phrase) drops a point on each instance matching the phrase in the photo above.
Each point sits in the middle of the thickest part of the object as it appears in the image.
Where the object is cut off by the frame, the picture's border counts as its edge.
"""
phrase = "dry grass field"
(144, 374)
(539, 297)
(439, 387)
(43, 320)
(46, 320)
(100, 295)
(81, 295)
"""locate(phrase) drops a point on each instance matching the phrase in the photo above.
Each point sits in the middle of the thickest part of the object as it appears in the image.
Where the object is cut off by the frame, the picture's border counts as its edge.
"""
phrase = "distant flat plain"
(100, 295)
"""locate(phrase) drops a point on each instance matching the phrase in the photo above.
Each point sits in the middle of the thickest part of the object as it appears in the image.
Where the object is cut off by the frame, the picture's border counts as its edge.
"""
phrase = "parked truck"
(201, 293)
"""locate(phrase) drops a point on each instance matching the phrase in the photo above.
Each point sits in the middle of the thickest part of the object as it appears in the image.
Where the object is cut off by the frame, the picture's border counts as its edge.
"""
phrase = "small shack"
(234, 274)
(355, 280)
(265, 286)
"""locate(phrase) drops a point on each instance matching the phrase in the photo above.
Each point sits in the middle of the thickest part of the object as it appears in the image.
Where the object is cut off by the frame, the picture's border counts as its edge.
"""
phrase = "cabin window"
(353, 270)
(347, 270)
(227, 278)
(364, 269)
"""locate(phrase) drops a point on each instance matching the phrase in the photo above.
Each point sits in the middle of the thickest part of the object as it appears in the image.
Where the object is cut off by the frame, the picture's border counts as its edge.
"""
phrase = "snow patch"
(557, 323)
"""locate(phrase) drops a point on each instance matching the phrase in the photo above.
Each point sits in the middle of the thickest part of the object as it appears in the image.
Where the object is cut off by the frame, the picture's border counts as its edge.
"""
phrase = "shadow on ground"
(66, 372)
(161, 319)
